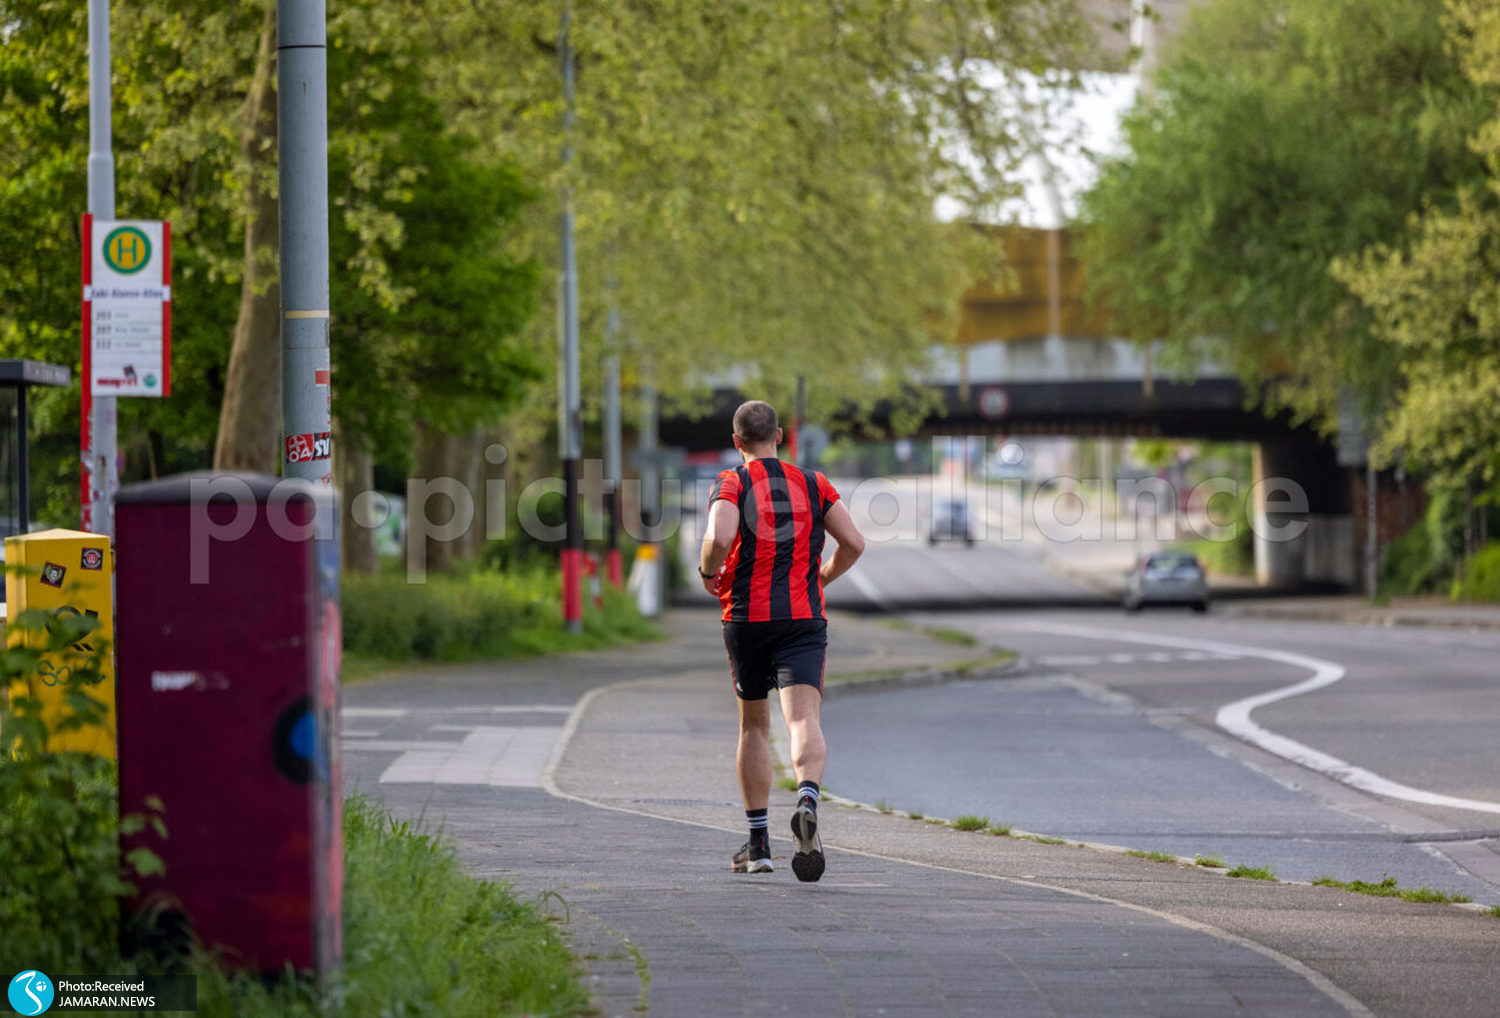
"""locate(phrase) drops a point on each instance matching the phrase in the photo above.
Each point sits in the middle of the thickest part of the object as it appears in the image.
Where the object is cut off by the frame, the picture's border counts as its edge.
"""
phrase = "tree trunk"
(474, 472)
(434, 456)
(250, 415)
(354, 469)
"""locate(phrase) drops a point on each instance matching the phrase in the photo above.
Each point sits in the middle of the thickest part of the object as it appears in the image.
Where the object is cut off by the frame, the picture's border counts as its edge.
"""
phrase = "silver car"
(950, 522)
(1167, 577)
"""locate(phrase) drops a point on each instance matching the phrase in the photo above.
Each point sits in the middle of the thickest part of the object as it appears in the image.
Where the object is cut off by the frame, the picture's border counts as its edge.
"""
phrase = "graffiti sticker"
(306, 448)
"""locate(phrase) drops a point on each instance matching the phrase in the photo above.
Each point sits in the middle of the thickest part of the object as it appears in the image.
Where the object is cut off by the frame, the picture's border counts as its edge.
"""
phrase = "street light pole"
(612, 567)
(100, 469)
(302, 167)
(570, 429)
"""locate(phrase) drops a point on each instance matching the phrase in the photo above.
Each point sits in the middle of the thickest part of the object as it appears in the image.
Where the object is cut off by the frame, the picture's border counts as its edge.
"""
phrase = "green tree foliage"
(759, 179)
(1435, 299)
(1278, 137)
(419, 219)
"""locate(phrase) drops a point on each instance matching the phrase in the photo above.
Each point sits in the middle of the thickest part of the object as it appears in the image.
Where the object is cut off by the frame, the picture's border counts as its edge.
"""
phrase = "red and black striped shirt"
(772, 569)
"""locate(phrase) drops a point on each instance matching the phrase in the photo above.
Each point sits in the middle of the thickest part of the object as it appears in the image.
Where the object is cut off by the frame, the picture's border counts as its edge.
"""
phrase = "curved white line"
(1234, 717)
(1313, 977)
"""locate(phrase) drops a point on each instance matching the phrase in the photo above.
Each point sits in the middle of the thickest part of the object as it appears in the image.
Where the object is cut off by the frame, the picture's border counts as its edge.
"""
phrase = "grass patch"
(787, 784)
(1210, 861)
(882, 806)
(1136, 853)
(912, 814)
(478, 615)
(1495, 911)
(942, 634)
(1253, 873)
(969, 822)
(1043, 839)
(1388, 888)
(935, 820)
(999, 830)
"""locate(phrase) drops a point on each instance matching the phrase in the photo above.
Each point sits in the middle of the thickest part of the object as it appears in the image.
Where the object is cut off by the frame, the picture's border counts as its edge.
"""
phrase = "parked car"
(950, 522)
(1167, 577)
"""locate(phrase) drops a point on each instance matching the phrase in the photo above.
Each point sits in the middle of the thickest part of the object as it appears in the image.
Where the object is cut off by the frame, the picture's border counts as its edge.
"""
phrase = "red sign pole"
(86, 404)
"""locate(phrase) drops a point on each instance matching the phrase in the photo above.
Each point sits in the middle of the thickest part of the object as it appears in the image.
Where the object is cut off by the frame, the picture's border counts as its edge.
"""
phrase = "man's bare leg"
(802, 707)
(754, 756)
(753, 761)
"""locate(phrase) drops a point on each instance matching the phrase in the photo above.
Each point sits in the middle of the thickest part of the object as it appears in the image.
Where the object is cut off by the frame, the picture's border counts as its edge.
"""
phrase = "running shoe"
(807, 861)
(753, 858)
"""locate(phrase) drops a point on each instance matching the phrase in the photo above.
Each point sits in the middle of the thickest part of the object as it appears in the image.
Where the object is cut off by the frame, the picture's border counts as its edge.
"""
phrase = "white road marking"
(505, 756)
(1234, 717)
(1156, 657)
(374, 712)
(866, 585)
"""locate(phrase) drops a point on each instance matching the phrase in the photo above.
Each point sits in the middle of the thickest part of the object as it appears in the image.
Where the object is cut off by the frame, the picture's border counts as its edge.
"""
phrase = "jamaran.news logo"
(31, 992)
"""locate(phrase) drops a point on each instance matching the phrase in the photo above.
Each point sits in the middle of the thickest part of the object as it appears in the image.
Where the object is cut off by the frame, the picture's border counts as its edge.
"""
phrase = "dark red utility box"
(227, 654)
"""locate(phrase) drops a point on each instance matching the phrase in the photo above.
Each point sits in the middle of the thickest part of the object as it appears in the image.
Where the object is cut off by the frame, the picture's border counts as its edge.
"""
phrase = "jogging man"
(762, 558)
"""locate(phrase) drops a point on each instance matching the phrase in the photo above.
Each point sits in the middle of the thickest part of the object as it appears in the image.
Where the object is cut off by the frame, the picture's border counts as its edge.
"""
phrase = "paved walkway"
(625, 809)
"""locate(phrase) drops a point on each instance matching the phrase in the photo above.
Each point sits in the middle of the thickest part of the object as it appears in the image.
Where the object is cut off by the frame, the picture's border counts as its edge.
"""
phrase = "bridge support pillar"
(1279, 507)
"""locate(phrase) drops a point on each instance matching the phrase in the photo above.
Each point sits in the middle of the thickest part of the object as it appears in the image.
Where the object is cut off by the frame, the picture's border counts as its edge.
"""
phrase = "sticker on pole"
(306, 448)
(127, 307)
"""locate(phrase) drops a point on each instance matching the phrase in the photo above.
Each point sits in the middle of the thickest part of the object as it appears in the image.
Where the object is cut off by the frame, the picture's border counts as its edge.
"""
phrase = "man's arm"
(723, 525)
(841, 526)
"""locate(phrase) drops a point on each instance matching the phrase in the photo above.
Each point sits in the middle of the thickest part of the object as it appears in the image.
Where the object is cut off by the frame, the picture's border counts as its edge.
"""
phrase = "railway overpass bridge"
(1034, 360)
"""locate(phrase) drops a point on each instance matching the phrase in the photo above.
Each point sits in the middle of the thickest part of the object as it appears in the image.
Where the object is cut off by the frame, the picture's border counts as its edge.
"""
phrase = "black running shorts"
(770, 655)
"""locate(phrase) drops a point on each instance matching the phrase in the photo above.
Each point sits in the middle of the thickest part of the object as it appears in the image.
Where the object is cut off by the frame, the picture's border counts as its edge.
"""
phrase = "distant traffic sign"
(127, 307)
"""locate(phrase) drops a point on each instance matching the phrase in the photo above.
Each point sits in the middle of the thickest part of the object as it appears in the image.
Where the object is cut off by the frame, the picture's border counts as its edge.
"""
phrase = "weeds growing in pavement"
(969, 822)
(1042, 839)
(787, 784)
(882, 806)
(1210, 861)
(1387, 888)
(942, 634)
(1495, 911)
(912, 814)
(1253, 872)
(1136, 853)
(999, 830)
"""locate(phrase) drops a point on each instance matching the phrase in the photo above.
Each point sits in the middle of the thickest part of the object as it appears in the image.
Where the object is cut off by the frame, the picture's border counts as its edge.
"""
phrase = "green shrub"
(476, 615)
(59, 848)
(1479, 576)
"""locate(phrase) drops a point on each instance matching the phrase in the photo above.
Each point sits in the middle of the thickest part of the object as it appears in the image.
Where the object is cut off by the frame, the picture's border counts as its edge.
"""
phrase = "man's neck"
(764, 453)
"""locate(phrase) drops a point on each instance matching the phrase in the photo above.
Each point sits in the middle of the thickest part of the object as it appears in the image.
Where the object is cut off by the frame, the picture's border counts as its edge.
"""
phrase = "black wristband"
(706, 576)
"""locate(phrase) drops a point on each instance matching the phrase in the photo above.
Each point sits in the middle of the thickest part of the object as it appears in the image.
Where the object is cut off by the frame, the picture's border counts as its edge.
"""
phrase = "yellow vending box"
(72, 571)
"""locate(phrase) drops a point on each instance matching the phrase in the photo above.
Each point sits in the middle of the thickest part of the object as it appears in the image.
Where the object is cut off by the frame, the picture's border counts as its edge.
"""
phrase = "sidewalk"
(1432, 612)
(638, 813)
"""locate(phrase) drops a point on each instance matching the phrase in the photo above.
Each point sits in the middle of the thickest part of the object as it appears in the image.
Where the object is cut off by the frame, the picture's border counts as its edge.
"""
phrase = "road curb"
(1371, 617)
(1013, 668)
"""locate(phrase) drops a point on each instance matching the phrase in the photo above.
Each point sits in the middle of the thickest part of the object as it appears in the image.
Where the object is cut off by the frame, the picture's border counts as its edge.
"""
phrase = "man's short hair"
(755, 422)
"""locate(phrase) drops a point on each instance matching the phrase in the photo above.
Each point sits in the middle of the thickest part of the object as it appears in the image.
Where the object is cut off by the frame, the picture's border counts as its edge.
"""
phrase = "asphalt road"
(1115, 734)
